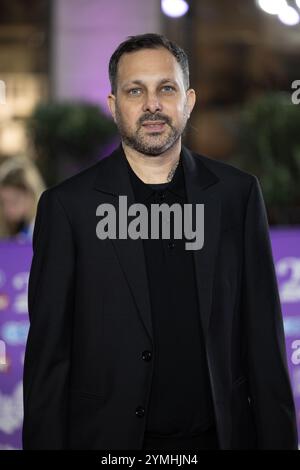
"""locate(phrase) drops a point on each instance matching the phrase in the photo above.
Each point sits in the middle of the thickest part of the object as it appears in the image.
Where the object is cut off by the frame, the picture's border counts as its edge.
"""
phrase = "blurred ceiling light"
(174, 8)
(273, 7)
(289, 16)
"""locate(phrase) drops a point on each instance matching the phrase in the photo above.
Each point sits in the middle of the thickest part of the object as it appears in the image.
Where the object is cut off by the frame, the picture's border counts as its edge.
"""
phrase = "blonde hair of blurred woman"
(20, 188)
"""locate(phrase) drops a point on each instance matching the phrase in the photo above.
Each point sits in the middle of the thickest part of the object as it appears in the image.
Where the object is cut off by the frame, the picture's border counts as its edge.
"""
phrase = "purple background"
(15, 259)
(286, 252)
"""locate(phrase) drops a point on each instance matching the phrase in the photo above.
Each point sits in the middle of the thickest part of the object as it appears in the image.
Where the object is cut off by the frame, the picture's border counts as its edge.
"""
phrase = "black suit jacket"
(86, 383)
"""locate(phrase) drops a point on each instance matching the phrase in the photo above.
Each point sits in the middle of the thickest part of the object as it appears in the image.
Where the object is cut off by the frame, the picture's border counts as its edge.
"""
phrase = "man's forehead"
(148, 63)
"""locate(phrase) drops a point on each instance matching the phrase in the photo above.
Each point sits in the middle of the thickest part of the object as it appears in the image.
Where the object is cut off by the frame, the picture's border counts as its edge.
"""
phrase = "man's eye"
(135, 91)
(168, 88)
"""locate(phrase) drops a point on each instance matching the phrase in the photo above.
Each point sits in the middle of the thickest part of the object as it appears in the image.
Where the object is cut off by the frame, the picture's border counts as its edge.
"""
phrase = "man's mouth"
(154, 126)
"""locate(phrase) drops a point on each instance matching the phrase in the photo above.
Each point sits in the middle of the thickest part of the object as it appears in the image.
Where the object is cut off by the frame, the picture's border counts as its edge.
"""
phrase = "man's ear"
(111, 102)
(191, 99)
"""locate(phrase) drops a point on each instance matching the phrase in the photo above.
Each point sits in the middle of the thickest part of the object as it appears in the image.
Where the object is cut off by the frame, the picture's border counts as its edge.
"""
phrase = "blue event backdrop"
(15, 259)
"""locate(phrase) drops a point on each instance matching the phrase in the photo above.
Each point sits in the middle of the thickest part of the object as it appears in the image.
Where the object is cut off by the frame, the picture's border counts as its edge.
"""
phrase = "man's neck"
(156, 169)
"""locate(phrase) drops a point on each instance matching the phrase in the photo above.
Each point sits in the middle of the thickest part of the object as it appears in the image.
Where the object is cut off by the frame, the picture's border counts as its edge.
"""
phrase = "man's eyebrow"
(140, 82)
(171, 80)
(133, 82)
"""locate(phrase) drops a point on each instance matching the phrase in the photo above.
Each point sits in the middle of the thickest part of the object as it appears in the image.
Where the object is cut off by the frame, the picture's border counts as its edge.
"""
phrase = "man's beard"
(155, 143)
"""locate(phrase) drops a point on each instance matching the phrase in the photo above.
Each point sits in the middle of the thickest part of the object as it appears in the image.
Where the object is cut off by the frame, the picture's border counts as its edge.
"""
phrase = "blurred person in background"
(20, 188)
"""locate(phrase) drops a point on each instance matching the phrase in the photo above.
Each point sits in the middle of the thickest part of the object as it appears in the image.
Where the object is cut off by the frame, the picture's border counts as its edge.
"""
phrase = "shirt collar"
(142, 191)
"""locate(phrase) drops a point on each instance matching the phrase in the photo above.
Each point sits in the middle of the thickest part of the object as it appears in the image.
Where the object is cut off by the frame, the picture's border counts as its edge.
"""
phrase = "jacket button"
(140, 411)
(146, 356)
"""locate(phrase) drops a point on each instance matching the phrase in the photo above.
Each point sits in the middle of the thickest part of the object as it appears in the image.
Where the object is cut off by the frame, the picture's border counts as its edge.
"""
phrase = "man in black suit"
(142, 343)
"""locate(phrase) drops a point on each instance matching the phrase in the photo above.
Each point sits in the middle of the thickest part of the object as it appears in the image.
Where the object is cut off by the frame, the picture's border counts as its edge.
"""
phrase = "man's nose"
(152, 103)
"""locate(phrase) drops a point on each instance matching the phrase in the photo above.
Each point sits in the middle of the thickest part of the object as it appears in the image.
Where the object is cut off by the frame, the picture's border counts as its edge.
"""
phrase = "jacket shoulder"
(76, 181)
(225, 170)
(76, 185)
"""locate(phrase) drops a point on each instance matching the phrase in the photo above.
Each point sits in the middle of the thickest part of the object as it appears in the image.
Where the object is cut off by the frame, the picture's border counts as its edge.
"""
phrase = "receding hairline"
(161, 79)
(150, 41)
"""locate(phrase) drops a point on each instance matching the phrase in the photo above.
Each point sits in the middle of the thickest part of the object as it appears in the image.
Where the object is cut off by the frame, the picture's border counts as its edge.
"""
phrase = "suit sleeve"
(50, 301)
(270, 388)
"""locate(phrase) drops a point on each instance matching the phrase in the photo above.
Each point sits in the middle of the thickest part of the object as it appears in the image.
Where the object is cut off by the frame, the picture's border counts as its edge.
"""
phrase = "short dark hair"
(147, 41)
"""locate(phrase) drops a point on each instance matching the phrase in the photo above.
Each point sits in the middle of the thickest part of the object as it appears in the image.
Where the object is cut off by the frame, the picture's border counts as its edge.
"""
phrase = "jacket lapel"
(201, 189)
(113, 179)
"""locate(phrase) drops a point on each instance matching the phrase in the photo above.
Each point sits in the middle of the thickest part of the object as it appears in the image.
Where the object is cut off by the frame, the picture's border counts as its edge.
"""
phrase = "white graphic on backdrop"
(296, 381)
(296, 352)
(290, 288)
(20, 283)
(11, 410)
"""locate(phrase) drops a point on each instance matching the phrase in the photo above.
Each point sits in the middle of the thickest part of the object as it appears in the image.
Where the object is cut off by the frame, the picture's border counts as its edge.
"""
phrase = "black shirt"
(180, 402)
